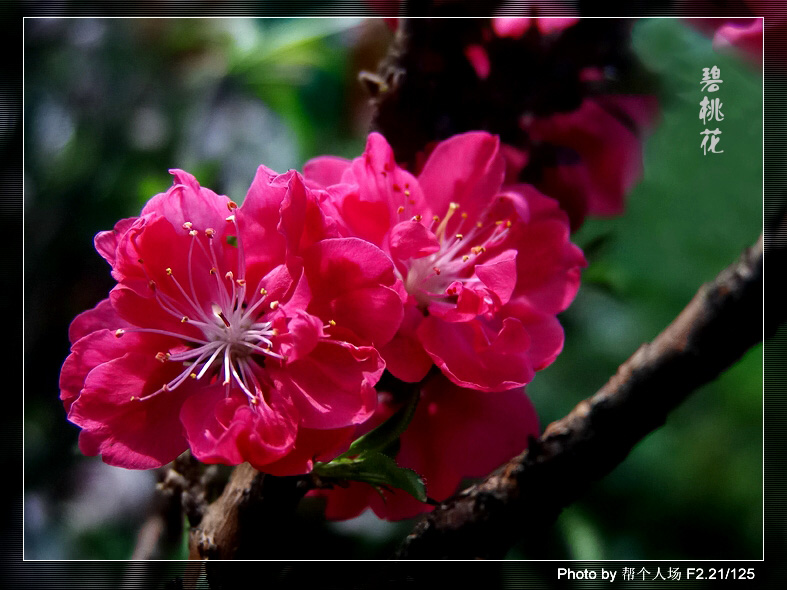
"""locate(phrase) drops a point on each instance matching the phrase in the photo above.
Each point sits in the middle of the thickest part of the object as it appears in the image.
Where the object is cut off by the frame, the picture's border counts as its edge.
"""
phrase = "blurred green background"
(112, 104)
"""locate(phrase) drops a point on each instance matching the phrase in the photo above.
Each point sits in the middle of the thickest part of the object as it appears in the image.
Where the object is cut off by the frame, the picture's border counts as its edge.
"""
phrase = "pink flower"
(599, 153)
(456, 433)
(483, 268)
(738, 33)
(590, 158)
(516, 26)
(241, 333)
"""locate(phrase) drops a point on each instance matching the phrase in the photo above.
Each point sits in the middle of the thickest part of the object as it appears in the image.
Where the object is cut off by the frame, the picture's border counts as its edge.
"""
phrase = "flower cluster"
(257, 333)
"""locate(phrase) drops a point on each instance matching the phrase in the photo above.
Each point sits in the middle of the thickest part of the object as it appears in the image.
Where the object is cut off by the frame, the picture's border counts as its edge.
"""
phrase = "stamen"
(217, 311)
(452, 207)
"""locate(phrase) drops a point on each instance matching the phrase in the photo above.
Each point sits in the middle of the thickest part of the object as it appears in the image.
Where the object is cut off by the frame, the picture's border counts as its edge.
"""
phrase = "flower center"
(430, 277)
(237, 330)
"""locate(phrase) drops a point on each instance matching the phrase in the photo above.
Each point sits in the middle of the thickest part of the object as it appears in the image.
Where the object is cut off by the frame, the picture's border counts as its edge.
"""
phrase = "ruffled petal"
(352, 284)
(472, 355)
(405, 357)
(334, 386)
(227, 430)
(125, 430)
(467, 169)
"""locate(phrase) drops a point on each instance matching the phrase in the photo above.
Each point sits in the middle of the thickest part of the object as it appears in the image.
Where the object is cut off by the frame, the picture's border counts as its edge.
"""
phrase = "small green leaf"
(382, 437)
(376, 469)
(232, 241)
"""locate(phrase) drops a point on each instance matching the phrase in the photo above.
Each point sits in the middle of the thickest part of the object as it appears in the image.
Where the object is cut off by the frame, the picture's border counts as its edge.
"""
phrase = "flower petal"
(124, 430)
(472, 355)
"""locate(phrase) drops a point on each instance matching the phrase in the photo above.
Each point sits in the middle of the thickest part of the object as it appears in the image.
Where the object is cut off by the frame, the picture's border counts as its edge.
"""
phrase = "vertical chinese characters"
(710, 110)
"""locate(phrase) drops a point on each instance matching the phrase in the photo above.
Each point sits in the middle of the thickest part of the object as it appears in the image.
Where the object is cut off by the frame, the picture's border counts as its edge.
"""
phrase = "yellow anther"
(459, 236)
(331, 322)
(274, 332)
(254, 401)
(435, 218)
(406, 193)
(193, 375)
(169, 271)
(417, 218)
(133, 397)
(465, 258)
(241, 282)
(162, 357)
(499, 222)
(274, 304)
(453, 206)
(209, 232)
(119, 333)
(479, 224)
(508, 223)
(231, 218)
(400, 209)
(464, 215)
(263, 291)
(187, 225)
(184, 319)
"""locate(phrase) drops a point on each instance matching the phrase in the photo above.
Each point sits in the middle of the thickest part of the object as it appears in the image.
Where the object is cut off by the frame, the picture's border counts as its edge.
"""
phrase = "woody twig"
(722, 322)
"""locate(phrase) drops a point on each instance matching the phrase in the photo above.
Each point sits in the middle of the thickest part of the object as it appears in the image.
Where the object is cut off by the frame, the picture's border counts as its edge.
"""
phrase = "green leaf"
(370, 457)
(382, 437)
(376, 469)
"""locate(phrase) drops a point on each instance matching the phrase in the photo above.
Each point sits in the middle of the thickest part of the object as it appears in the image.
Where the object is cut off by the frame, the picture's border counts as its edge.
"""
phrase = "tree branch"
(241, 523)
(722, 321)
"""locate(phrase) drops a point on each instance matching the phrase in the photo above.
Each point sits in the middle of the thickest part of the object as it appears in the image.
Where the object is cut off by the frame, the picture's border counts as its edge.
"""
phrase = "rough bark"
(722, 321)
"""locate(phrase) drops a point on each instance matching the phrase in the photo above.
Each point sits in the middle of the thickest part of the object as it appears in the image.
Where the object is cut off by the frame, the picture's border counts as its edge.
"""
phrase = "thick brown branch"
(723, 320)
(242, 522)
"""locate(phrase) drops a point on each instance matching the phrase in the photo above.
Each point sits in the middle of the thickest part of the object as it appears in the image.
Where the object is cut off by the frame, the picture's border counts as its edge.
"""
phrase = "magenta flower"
(599, 148)
(516, 26)
(241, 333)
(740, 34)
(483, 268)
(456, 433)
